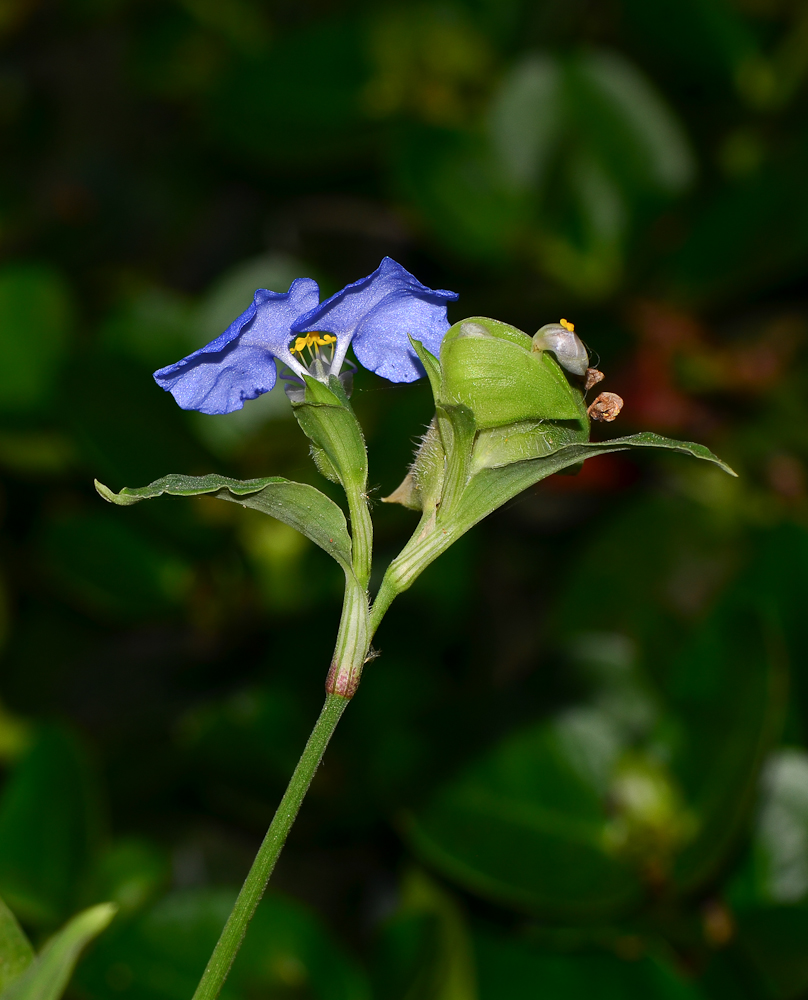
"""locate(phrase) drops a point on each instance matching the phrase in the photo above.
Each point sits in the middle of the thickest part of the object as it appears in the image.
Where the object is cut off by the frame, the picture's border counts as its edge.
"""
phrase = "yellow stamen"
(313, 339)
(568, 326)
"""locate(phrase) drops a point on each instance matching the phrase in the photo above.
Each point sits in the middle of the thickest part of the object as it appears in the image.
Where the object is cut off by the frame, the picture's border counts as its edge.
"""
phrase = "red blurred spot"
(604, 474)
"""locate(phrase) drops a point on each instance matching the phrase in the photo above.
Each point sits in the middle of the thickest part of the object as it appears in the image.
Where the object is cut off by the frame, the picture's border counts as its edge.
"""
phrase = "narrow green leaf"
(647, 439)
(48, 975)
(302, 507)
(431, 366)
(491, 488)
(185, 486)
(16, 953)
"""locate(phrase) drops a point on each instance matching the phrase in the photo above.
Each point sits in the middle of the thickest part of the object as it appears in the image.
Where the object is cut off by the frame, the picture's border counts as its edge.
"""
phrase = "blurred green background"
(579, 766)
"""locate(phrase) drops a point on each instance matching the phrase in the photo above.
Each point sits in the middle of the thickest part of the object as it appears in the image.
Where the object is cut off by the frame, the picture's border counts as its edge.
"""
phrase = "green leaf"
(521, 826)
(634, 129)
(301, 506)
(16, 953)
(727, 688)
(527, 116)
(598, 101)
(161, 953)
(47, 828)
(47, 976)
(424, 949)
(491, 488)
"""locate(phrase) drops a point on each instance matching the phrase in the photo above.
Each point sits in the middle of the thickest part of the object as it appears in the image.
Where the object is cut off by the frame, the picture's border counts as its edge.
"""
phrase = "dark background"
(579, 765)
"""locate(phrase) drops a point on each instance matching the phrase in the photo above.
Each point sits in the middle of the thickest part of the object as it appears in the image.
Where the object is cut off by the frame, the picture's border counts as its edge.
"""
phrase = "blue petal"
(240, 363)
(378, 313)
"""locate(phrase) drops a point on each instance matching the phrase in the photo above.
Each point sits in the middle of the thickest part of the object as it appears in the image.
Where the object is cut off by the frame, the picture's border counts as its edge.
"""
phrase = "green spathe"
(491, 367)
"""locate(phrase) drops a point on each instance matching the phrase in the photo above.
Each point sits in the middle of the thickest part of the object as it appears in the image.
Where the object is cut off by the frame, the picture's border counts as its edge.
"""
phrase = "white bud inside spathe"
(565, 344)
(471, 329)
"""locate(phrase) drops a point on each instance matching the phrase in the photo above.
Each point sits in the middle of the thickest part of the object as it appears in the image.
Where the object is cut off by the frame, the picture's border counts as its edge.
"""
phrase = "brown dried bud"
(593, 376)
(605, 407)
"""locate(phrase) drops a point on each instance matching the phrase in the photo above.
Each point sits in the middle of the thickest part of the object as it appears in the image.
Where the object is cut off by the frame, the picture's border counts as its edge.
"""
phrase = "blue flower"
(240, 363)
(376, 314)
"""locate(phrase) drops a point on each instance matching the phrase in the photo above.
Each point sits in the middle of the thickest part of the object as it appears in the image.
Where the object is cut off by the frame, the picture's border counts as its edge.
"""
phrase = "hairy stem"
(256, 882)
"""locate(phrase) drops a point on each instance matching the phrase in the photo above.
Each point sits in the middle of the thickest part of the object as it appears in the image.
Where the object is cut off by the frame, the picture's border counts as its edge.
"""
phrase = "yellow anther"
(568, 326)
(313, 339)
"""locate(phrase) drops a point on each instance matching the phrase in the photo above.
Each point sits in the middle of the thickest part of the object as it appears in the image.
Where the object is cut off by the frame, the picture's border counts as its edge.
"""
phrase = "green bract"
(498, 401)
(493, 369)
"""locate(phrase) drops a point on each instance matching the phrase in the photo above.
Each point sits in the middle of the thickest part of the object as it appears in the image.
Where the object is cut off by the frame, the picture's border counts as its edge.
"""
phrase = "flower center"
(312, 342)
(568, 326)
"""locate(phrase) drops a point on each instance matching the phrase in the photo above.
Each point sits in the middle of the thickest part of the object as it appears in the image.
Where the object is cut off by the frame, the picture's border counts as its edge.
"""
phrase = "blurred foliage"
(581, 763)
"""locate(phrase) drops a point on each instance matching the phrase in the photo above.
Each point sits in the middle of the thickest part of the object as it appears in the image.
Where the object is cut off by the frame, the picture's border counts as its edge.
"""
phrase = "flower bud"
(562, 340)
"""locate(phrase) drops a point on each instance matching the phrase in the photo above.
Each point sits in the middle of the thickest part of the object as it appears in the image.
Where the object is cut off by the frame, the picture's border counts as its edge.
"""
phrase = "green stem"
(381, 602)
(428, 541)
(256, 882)
(361, 534)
